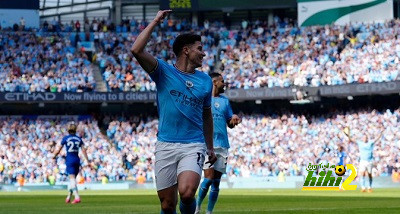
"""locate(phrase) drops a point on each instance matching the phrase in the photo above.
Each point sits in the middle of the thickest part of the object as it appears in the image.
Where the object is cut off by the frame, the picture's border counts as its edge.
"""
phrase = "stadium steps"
(218, 67)
(100, 83)
(218, 63)
(103, 131)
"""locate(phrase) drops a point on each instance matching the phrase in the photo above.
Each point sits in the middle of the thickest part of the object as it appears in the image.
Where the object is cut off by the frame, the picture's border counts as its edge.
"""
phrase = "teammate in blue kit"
(222, 116)
(185, 129)
(72, 144)
(366, 148)
(341, 155)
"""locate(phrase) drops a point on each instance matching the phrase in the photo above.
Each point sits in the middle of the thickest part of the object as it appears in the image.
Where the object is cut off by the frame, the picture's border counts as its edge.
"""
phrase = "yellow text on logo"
(346, 184)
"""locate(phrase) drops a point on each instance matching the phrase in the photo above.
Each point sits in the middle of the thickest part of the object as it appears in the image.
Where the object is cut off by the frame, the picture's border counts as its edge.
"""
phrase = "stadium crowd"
(34, 63)
(255, 54)
(262, 145)
(27, 146)
(268, 145)
(106, 25)
(284, 54)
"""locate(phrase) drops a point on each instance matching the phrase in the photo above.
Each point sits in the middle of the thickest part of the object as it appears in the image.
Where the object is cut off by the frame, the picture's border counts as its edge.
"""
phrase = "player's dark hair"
(214, 74)
(184, 39)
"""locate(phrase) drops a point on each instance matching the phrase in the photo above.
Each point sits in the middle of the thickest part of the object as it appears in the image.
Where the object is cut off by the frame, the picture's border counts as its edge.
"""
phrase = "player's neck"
(185, 66)
(215, 92)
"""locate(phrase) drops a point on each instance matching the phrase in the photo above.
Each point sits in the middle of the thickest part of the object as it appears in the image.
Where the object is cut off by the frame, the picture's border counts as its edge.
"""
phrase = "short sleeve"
(228, 112)
(207, 99)
(63, 141)
(155, 74)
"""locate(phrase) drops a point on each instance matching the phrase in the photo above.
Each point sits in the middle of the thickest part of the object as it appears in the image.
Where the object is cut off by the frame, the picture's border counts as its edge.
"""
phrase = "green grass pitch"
(230, 201)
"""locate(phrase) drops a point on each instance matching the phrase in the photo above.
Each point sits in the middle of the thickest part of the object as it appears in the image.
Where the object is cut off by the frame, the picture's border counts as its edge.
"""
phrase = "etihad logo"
(185, 99)
(30, 97)
(217, 116)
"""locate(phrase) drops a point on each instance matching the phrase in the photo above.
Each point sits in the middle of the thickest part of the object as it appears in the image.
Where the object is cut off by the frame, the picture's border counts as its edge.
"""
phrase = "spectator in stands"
(262, 145)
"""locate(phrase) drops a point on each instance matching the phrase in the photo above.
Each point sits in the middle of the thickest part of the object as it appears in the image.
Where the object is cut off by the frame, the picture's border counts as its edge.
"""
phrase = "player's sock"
(370, 182)
(187, 208)
(68, 199)
(204, 186)
(75, 191)
(362, 180)
(69, 194)
(69, 191)
(212, 199)
(74, 188)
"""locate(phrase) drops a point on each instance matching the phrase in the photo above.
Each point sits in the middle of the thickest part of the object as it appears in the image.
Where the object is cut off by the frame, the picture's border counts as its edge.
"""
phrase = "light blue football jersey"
(222, 112)
(341, 156)
(181, 98)
(366, 150)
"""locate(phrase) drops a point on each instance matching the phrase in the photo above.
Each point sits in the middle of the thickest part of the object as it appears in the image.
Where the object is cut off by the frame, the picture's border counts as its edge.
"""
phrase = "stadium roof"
(53, 8)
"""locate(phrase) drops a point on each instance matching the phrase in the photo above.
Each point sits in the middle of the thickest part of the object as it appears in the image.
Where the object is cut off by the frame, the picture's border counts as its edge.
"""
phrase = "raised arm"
(379, 137)
(145, 59)
(350, 139)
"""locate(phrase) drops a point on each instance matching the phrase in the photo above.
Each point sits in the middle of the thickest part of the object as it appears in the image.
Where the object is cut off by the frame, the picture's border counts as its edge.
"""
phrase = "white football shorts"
(222, 159)
(173, 158)
(365, 166)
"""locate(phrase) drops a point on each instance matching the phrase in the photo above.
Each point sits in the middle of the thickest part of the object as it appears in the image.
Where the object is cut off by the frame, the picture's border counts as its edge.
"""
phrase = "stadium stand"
(259, 55)
(35, 63)
(262, 145)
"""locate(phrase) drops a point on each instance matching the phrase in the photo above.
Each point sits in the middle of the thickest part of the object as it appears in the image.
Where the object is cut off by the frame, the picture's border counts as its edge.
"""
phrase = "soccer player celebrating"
(222, 116)
(184, 108)
(365, 147)
(72, 144)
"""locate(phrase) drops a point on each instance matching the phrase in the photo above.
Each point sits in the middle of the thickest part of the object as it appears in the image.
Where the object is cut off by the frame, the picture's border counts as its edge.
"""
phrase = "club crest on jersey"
(189, 84)
(216, 105)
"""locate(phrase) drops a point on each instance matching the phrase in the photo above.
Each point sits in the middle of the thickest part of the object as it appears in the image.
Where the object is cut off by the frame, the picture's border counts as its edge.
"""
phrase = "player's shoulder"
(223, 97)
(161, 64)
(64, 139)
(206, 80)
(203, 75)
(73, 136)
